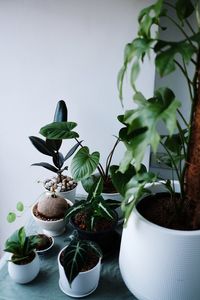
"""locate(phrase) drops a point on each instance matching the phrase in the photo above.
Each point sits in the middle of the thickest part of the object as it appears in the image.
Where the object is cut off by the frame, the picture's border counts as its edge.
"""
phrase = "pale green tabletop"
(45, 286)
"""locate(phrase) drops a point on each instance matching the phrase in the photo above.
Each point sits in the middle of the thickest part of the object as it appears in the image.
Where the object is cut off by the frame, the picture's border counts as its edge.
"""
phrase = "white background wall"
(52, 50)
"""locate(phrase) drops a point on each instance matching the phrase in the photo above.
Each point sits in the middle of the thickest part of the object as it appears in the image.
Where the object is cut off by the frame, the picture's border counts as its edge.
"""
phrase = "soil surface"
(45, 242)
(101, 224)
(90, 262)
(163, 210)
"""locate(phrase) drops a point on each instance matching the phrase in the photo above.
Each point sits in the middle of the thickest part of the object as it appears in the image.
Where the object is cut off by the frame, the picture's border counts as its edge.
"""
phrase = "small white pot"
(51, 228)
(24, 273)
(157, 263)
(70, 195)
(84, 284)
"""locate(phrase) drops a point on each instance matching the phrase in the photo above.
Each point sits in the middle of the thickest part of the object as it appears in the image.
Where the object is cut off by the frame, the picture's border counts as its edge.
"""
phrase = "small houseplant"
(94, 218)
(150, 248)
(23, 265)
(49, 212)
(79, 267)
(61, 184)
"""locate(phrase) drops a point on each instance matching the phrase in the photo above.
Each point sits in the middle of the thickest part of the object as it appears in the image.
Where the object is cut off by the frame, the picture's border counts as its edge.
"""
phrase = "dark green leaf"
(61, 112)
(184, 8)
(59, 130)
(84, 163)
(54, 144)
(58, 160)
(46, 166)
(72, 150)
(41, 145)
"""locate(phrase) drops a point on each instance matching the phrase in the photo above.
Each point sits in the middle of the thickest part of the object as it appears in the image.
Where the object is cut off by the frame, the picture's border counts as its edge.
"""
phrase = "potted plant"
(23, 265)
(49, 213)
(159, 255)
(60, 184)
(44, 244)
(84, 164)
(95, 219)
(79, 267)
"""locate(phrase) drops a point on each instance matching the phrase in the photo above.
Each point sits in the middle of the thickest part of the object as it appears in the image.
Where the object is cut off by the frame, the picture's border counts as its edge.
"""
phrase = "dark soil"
(101, 224)
(45, 242)
(165, 211)
(26, 260)
(42, 217)
(90, 262)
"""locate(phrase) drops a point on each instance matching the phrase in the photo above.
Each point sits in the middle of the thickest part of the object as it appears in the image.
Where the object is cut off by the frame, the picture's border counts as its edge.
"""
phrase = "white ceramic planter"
(84, 284)
(51, 228)
(158, 263)
(24, 273)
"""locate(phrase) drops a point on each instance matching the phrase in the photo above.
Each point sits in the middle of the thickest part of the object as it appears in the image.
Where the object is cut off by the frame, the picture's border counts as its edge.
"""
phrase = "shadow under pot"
(103, 233)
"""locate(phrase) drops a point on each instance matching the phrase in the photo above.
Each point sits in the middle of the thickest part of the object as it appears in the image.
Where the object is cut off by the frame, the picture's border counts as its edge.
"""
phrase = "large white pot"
(84, 284)
(51, 228)
(158, 263)
(24, 273)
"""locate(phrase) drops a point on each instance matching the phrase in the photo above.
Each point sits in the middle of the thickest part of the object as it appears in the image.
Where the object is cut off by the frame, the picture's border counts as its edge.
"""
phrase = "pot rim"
(163, 229)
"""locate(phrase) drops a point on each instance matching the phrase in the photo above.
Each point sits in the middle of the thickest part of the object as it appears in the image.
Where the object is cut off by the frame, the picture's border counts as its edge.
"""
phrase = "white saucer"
(75, 295)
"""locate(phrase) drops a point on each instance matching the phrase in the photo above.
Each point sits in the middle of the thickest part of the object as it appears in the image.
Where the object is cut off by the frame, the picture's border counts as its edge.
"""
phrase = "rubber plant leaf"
(46, 166)
(41, 145)
(84, 164)
(54, 144)
(61, 112)
(72, 150)
(59, 130)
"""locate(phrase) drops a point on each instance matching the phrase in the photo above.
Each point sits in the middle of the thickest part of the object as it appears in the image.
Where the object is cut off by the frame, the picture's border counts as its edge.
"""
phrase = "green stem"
(174, 164)
(187, 78)
(183, 118)
(182, 139)
(109, 158)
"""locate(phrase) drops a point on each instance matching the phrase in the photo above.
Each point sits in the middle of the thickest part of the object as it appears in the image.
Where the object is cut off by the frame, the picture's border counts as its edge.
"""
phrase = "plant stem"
(109, 158)
(182, 117)
(187, 78)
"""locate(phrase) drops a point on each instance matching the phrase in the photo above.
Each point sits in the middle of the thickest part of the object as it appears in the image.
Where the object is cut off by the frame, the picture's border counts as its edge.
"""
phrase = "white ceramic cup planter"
(51, 228)
(70, 195)
(24, 273)
(84, 284)
(157, 263)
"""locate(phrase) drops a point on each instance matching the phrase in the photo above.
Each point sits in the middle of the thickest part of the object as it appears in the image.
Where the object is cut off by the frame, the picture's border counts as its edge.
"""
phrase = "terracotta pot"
(157, 263)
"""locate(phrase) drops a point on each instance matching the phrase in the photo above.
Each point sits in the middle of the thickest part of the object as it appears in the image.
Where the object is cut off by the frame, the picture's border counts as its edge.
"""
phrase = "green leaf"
(121, 179)
(54, 144)
(72, 150)
(142, 125)
(58, 160)
(135, 69)
(11, 217)
(21, 236)
(41, 145)
(184, 9)
(84, 164)
(59, 130)
(46, 166)
(61, 112)
(120, 79)
(20, 206)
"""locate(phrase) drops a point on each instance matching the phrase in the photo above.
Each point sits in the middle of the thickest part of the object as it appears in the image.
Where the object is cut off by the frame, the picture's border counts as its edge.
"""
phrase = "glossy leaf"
(46, 166)
(58, 160)
(72, 150)
(59, 130)
(75, 255)
(84, 164)
(41, 145)
(61, 112)
(54, 144)
(89, 182)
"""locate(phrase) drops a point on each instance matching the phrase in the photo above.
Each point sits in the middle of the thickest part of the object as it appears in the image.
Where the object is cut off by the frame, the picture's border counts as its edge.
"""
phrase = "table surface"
(45, 285)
